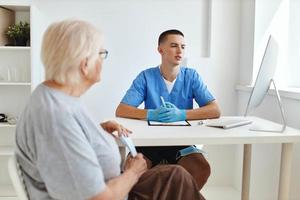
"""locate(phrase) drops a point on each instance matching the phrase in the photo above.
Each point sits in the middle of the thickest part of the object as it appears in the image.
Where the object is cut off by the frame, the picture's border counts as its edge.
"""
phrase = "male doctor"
(178, 86)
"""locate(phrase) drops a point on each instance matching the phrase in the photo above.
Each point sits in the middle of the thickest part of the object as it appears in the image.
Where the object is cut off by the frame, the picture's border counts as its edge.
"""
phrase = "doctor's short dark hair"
(163, 35)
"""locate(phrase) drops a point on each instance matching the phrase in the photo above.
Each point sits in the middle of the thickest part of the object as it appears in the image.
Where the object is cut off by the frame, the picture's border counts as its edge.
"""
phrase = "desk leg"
(246, 172)
(285, 171)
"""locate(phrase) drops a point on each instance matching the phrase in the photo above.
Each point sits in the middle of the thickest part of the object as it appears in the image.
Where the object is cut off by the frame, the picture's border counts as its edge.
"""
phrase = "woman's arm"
(119, 187)
(111, 126)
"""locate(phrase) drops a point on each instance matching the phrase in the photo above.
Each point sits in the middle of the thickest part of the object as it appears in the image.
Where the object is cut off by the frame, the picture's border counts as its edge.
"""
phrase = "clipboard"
(179, 123)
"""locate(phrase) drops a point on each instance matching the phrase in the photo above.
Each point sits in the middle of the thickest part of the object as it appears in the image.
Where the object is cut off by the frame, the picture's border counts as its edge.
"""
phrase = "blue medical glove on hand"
(172, 114)
(153, 114)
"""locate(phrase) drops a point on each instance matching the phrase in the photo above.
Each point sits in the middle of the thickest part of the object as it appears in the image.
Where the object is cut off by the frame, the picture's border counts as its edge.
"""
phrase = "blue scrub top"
(149, 86)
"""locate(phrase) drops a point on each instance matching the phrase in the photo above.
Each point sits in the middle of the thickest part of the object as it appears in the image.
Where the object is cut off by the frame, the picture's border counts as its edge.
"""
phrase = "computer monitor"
(264, 80)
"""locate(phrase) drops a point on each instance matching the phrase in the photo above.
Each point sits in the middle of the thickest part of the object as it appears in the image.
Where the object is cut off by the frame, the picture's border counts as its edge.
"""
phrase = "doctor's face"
(172, 49)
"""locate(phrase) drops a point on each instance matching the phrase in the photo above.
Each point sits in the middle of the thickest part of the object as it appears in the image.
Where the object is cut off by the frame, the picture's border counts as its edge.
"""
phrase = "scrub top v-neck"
(149, 85)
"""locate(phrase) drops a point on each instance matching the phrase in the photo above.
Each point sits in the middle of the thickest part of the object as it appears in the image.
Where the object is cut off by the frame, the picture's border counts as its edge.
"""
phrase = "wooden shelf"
(15, 83)
(18, 57)
(14, 48)
(17, 7)
(7, 125)
(8, 198)
(7, 192)
(6, 150)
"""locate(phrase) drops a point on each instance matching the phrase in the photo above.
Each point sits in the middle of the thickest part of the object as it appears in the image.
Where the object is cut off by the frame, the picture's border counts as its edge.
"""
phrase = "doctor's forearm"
(127, 111)
(206, 112)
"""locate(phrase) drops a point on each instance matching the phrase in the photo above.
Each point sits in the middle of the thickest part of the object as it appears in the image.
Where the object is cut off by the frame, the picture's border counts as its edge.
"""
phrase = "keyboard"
(227, 122)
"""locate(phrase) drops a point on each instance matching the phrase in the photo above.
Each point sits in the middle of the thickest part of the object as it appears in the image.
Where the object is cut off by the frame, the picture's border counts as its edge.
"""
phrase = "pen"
(163, 101)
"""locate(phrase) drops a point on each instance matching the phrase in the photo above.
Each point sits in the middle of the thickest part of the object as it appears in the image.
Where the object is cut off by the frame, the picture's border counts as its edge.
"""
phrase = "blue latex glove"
(172, 114)
(153, 114)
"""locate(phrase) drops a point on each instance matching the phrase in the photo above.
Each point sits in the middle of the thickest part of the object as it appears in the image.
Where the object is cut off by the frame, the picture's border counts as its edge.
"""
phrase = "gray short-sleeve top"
(63, 154)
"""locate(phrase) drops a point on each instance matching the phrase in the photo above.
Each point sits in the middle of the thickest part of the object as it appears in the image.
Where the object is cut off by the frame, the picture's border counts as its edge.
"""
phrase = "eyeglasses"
(103, 54)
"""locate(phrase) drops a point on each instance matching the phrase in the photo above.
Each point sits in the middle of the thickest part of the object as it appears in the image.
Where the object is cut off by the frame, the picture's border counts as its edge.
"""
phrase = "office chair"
(15, 174)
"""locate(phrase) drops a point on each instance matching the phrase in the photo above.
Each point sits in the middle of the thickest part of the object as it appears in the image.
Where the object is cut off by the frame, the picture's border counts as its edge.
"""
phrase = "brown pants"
(194, 163)
(197, 166)
(166, 182)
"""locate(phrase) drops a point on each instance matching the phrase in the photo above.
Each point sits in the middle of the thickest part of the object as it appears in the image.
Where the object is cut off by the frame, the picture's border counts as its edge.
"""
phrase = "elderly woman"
(62, 153)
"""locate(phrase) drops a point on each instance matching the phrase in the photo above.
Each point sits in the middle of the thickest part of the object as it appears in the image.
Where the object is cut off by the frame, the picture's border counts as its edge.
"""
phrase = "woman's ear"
(84, 67)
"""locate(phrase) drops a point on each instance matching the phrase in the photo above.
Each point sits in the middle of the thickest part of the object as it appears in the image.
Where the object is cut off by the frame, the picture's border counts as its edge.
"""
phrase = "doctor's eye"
(174, 45)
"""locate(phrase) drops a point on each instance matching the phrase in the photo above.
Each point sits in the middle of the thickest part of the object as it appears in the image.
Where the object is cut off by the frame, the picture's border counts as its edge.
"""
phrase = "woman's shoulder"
(48, 100)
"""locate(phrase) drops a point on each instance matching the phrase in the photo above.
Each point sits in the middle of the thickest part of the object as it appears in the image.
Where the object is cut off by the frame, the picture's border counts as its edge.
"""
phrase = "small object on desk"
(200, 123)
(178, 123)
(129, 144)
(3, 117)
(12, 120)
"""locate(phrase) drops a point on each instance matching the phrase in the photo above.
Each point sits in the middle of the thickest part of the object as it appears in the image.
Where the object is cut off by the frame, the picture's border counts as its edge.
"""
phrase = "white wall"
(247, 38)
(131, 30)
(223, 65)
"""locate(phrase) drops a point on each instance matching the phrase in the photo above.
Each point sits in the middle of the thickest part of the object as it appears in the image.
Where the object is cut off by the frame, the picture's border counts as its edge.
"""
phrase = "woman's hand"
(119, 187)
(136, 164)
(112, 126)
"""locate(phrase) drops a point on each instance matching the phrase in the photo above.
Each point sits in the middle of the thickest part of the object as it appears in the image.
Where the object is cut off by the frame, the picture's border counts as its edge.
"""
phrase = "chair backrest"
(16, 177)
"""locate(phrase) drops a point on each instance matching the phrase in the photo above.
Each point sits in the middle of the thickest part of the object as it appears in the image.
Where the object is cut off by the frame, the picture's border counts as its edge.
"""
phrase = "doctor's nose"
(180, 50)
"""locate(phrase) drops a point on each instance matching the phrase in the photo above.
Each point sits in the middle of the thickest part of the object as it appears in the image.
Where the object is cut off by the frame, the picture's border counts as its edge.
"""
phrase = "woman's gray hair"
(66, 44)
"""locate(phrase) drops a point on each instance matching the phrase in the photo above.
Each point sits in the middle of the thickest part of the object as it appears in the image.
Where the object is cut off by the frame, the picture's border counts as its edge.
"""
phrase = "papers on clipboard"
(179, 123)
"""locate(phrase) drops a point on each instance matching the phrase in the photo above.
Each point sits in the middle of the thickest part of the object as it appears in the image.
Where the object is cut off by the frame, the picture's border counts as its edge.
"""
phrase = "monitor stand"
(280, 130)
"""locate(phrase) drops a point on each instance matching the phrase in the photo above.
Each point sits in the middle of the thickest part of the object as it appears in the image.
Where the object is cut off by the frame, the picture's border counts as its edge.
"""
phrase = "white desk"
(144, 135)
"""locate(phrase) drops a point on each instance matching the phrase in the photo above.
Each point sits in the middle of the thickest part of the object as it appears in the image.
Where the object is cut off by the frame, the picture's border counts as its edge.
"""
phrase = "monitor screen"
(265, 75)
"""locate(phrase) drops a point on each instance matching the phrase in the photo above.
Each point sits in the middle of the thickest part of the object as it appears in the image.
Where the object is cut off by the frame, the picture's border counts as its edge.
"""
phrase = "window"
(294, 44)
(281, 18)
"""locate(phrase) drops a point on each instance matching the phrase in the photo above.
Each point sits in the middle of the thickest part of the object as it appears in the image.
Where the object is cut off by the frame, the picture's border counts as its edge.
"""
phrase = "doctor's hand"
(115, 128)
(172, 114)
(153, 114)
